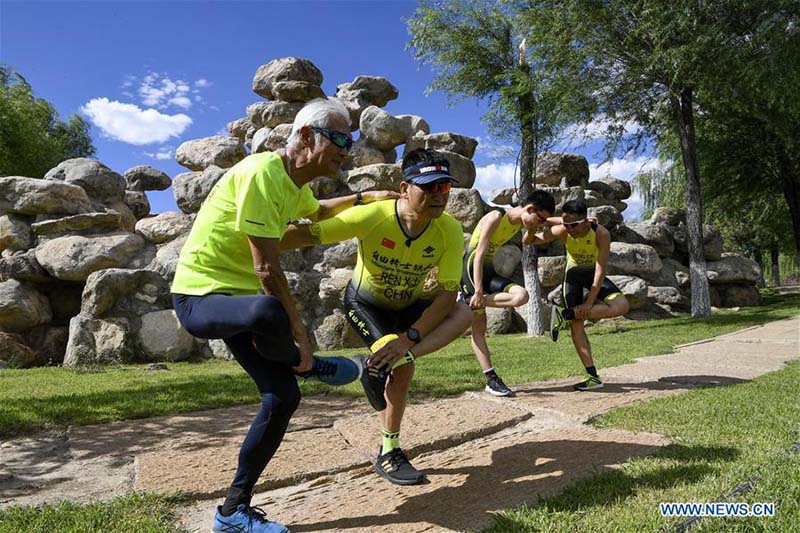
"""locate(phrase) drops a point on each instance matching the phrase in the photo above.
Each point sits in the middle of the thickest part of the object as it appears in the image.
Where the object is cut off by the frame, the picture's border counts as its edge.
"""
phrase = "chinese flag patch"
(386, 243)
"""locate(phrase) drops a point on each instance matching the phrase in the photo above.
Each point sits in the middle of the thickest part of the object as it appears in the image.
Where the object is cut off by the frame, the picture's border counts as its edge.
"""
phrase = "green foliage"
(33, 139)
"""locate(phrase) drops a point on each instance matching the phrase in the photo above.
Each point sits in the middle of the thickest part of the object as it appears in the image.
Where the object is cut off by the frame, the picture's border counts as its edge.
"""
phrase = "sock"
(378, 344)
(490, 373)
(592, 371)
(568, 314)
(233, 498)
(391, 441)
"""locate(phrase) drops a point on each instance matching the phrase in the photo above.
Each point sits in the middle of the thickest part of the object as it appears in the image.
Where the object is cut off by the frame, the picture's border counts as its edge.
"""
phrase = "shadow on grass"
(523, 473)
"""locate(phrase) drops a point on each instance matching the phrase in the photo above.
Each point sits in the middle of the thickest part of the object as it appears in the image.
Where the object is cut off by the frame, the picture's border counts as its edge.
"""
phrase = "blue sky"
(151, 75)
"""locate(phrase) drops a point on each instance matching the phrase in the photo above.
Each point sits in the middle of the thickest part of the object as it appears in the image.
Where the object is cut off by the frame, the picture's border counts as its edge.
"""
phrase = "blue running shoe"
(246, 520)
(334, 370)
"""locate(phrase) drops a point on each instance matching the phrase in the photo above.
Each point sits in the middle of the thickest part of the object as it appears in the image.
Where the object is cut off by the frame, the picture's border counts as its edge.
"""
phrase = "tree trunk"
(790, 184)
(758, 257)
(701, 302)
(774, 256)
(527, 168)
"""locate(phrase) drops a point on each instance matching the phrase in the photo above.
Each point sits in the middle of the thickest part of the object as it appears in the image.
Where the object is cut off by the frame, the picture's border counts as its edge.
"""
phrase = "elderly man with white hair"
(229, 285)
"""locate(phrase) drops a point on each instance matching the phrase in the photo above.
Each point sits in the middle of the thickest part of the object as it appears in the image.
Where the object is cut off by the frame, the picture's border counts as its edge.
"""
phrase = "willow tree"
(476, 50)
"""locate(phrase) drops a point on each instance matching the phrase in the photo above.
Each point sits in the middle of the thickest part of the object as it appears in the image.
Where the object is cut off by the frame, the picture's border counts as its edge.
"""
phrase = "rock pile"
(85, 269)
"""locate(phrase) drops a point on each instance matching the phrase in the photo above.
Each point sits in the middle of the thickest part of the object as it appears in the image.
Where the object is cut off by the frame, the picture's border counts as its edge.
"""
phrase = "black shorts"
(372, 322)
(492, 281)
(576, 279)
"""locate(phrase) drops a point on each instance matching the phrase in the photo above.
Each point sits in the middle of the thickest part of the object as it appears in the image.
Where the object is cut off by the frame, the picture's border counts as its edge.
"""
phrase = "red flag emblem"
(386, 243)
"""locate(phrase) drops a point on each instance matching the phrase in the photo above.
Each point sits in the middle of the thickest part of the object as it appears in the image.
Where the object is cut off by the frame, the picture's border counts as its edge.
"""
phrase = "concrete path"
(480, 453)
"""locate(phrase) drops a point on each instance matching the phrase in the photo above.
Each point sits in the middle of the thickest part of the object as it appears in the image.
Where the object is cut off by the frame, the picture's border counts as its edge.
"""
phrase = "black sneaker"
(556, 322)
(496, 387)
(394, 466)
(373, 379)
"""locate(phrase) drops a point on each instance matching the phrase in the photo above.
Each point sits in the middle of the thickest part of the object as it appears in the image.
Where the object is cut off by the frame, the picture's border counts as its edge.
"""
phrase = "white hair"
(317, 113)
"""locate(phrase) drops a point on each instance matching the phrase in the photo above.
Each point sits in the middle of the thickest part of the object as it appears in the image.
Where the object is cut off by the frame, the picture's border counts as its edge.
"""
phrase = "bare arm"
(544, 236)
(330, 207)
(297, 236)
(266, 261)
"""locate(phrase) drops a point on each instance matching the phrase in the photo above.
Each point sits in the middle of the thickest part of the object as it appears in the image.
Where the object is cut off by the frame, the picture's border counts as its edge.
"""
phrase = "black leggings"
(242, 321)
(576, 279)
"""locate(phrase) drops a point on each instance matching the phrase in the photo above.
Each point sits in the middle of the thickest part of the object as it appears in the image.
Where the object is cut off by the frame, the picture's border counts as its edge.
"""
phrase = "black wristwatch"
(359, 199)
(413, 335)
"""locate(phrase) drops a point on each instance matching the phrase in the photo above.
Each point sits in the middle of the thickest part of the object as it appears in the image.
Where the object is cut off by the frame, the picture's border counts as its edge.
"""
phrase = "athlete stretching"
(482, 287)
(399, 243)
(588, 245)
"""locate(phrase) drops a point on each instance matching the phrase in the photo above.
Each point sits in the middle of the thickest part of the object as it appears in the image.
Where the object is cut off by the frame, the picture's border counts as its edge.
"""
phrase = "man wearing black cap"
(400, 242)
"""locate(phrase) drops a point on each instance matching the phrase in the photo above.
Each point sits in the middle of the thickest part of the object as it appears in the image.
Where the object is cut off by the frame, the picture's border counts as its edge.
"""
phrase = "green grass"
(36, 399)
(723, 437)
(136, 513)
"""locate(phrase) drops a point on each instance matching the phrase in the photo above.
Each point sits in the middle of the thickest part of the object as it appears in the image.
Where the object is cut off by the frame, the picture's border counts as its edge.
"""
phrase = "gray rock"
(606, 215)
(325, 187)
(620, 189)
(506, 259)
(30, 196)
(498, 320)
(164, 227)
(73, 258)
(23, 267)
(670, 296)
(277, 113)
(238, 128)
(292, 260)
(166, 259)
(669, 216)
(634, 289)
(335, 332)
(633, 259)
(191, 188)
(219, 349)
(461, 168)
(383, 130)
(146, 178)
(296, 91)
(126, 216)
(163, 338)
(733, 268)
(304, 287)
(83, 224)
(466, 206)
(416, 125)
(739, 295)
(564, 195)
(447, 141)
(601, 188)
(551, 270)
(363, 92)
(656, 236)
(259, 142)
(502, 196)
(95, 341)
(341, 255)
(15, 353)
(712, 242)
(255, 112)
(332, 289)
(374, 178)
(15, 232)
(49, 344)
(199, 154)
(99, 181)
(22, 307)
(363, 154)
(672, 274)
(278, 137)
(284, 69)
(552, 168)
(122, 292)
(623, 233)
(594, 198)
(138, 203)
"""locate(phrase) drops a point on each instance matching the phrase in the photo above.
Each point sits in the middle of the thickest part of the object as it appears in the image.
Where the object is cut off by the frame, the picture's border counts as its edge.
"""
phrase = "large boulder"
(461, 168)
(146, 178)
(30, 196)
(363, 92)
(332, 289)
(164, 227)
(416, 125)
(296, 91)
(294, 69)
(606, 215)
(377, 177)
(166, 259)
(199, 154)
(634, 260)
(670, 296)
(383, 130)
(163, 338)
(191, 188)
(466, 206)
(258, 143)
(83, 224)
(238, 128)
(363, 154)
(95, 341)
(668, 216)
(15, 353)
(712, 242)
(564, 195)
(634, 289)
(335, 332)
(49, 344)
(656, 236)
(123, 292)
(255, 112)
(277, 113)
(99, 181)
(502, 196)
(277, 137)
(444, 141)
(15, 232)
(341, 255)
(552, 168)
(73, 258)
(616, 189)
(672, 274)
(498, 320)
(733, 268)
(739, 295)
(22, 307)
(551, 270)
(138, 203)
(23, 267)
(506, 259)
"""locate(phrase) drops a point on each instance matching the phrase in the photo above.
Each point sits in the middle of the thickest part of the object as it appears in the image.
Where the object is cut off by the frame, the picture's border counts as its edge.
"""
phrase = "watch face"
(412, 334)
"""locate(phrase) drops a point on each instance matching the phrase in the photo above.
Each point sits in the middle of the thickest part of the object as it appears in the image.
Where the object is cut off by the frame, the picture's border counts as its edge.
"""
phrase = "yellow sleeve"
(257, 211)
(349, 223)
(307, 204)
(451, 264)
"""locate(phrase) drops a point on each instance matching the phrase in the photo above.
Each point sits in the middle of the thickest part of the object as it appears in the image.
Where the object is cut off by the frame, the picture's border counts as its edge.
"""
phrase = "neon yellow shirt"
(502, 234)
(256, 197)
(391, 268)
(583, 250)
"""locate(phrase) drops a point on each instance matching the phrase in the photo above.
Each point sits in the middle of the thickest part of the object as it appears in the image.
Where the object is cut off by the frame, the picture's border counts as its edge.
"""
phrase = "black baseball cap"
(427, 172)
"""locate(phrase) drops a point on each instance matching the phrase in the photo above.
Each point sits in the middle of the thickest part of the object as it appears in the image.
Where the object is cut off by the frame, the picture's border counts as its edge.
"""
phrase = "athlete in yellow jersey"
(399, 243)
(482, 287)
(588, 245)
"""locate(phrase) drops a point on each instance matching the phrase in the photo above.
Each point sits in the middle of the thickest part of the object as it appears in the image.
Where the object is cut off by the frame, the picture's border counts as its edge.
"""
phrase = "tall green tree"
(645, 61)
(476, 50)
(33, 139)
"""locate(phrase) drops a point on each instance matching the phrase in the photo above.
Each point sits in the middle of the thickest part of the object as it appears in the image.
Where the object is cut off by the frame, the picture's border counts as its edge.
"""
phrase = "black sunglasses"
(336, 137)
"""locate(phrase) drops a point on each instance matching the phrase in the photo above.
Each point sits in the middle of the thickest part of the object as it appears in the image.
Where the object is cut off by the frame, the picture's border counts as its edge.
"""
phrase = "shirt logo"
(388, 243)
(428, 252)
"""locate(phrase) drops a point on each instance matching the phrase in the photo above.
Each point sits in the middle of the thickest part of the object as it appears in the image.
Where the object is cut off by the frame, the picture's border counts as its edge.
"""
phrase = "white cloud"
(163, 153)
(202, 82)
(493, 176)
(131, 124)
(180, 101)
(157, 90)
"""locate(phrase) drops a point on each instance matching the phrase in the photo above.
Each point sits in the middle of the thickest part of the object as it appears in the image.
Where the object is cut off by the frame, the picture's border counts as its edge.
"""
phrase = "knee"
(624, 306)
(521, 298)
(268, 312)
(462, 314)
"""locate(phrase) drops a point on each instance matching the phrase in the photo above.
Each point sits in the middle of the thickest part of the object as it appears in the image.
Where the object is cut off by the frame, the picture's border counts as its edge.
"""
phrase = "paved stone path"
(480, 453)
